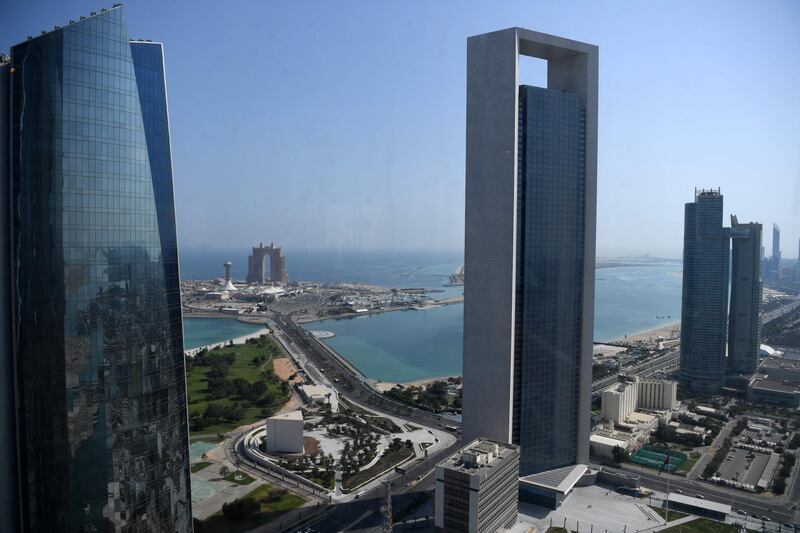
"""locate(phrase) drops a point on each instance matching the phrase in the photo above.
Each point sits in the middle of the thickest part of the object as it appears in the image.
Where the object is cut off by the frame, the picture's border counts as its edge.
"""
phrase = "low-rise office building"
(603, 446)
(779, 392)
(776, 381)
(779, 368)
(477, 488)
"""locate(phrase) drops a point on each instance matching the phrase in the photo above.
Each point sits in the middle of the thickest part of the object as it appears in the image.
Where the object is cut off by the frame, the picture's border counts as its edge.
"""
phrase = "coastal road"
(347, 382)
(644, 369)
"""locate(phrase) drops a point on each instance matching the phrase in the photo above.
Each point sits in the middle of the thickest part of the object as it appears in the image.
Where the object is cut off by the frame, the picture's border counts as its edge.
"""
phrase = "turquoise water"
(629, 299)
(400, 345)
(408, 345)
(199, 332)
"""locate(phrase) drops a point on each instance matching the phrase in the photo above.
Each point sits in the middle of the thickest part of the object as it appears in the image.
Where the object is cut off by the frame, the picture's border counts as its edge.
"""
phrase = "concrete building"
(93, 419)
(744, 319)
(697, 506)
(531, 173)
(477, 488)
(603, 446)
(780, 368)
(704, 308)
(619, 401)
(277, 264)
(776, 381)
(285, 433)
(657, 394)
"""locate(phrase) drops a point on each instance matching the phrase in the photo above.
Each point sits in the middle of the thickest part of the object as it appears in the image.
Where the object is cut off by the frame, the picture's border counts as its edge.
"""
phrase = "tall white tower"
(228, 283)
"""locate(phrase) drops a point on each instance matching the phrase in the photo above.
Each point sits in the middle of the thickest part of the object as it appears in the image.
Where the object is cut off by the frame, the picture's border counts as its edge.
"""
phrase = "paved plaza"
(592, 508)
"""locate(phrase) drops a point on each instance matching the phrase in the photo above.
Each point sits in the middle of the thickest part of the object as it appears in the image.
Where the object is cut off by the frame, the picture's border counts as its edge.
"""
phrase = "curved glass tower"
(96, 337)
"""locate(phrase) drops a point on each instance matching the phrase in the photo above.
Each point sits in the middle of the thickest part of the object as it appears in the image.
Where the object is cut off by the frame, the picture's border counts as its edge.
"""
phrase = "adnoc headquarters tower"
(531, 175)
(92, 344)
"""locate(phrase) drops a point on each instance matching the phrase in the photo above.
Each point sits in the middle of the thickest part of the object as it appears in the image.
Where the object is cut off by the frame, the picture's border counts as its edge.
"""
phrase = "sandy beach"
(383, 386)
(237, 340)
(669, 332)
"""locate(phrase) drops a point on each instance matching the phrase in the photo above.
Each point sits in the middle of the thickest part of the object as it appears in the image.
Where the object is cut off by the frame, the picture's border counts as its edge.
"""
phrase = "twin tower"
(708, 323)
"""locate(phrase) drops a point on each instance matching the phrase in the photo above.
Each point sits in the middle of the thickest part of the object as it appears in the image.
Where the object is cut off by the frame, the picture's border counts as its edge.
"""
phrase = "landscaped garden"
(234, 385)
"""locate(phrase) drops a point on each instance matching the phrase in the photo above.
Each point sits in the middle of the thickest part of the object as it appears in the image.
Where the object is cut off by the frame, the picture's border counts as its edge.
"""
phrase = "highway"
(348, 384)
(780, 510)
(644, 369)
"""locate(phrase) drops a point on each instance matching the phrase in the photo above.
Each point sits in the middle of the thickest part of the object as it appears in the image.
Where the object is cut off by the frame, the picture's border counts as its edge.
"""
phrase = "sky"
(341, 125)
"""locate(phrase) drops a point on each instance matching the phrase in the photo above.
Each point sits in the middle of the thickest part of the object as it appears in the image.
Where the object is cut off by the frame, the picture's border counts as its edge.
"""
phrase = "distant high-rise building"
(797, 265)
(92, 339)
(704, 309)
(744, 320)
(531, 173)
(773, 270)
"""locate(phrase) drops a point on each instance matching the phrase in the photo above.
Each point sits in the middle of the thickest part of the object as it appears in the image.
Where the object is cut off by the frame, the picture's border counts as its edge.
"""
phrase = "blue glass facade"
(704, 307)
(744, 321)
(97, 337)
(549, 283)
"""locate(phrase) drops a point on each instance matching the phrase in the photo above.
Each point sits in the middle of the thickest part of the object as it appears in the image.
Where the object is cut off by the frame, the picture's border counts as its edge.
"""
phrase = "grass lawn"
(268, 511)
(673, 515)
(242, 367)
(689, 463)
(386, 461)
(325, 479)
(701, 525)
(243, 479)
(196, 467)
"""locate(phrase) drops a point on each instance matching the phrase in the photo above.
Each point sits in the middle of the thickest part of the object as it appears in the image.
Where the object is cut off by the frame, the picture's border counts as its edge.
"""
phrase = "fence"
(655, 458)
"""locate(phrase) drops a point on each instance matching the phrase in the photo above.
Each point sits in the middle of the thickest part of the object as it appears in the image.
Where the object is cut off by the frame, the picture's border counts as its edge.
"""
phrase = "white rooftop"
(608, 441)
(291, 415)
(697, 502)
(559, 479)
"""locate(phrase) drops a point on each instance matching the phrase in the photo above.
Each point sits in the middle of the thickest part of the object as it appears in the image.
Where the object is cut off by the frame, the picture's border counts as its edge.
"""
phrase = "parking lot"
(744, 466)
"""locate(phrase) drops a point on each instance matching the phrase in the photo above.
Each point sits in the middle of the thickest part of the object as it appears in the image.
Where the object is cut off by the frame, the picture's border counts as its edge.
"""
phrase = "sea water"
(407, 345)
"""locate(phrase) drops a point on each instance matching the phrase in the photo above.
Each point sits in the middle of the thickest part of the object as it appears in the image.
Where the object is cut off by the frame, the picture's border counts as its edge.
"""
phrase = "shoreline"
(383, 386)
(237, 340)
(648, 334)
(435, 304)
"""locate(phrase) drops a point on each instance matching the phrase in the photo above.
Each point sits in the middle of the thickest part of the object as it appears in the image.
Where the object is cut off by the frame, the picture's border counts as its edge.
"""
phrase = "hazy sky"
(341, 124)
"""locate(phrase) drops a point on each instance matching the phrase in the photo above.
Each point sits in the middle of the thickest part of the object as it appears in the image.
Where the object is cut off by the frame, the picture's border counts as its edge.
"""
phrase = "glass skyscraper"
(100, 436)
(549, 292)
(704, 308)
(744, 320)
(531, 177)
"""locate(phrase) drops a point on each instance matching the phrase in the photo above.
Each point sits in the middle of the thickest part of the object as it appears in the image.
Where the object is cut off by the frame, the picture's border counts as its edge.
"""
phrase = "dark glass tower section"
(549, 285)
(704, 309)
(97, 339)
(744, 321)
